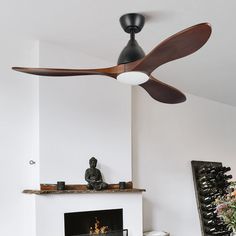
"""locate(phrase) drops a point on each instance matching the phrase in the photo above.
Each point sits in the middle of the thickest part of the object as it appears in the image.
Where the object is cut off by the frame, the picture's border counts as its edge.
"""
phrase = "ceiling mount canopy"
(134, 67)
(132, 22)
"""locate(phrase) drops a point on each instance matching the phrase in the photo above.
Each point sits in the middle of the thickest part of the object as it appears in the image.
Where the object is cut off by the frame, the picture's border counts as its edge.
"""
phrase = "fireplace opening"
(94, 223)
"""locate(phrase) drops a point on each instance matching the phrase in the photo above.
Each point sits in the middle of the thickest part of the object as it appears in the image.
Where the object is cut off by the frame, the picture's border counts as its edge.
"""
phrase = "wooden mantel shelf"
(41, 192)
(82, 188)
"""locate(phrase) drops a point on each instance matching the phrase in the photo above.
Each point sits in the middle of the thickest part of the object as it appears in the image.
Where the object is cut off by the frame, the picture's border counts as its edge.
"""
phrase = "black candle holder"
(122, 185)
(61, 185)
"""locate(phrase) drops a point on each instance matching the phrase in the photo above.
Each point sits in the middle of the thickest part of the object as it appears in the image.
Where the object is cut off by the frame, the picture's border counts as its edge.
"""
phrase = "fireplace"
(52, 209)
(94, 222)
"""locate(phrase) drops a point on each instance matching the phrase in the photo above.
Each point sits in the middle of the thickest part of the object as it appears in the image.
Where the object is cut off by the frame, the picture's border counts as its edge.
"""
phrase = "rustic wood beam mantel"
(82, 188)
(41, 192)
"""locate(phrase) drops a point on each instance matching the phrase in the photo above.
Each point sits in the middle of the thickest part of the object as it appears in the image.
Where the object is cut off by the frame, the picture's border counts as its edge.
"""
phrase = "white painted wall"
(165, 140)
(50, 210)
(80, 118)
(76, 122)
(18, 135)
(70, 122)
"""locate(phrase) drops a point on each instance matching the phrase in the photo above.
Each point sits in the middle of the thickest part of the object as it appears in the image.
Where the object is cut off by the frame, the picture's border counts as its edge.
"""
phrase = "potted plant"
(226, 208)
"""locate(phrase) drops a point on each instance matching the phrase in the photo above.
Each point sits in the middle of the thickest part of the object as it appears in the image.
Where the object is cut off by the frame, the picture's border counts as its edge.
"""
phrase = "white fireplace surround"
(50, 210)
(75, 123)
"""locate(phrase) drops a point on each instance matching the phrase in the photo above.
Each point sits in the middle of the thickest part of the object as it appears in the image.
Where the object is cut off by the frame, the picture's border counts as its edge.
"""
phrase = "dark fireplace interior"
(87, 222)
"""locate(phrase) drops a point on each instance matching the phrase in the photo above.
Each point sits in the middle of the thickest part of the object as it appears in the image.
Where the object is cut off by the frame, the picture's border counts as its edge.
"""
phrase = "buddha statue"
(94, 177)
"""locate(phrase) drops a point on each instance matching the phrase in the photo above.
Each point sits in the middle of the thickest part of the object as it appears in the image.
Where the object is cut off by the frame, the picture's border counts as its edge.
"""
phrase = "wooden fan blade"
(111, 71)
(177, 46)
(163, 92)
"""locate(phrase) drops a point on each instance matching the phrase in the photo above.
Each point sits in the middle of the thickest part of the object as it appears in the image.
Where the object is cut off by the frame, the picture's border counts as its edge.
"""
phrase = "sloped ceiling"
(92, 26)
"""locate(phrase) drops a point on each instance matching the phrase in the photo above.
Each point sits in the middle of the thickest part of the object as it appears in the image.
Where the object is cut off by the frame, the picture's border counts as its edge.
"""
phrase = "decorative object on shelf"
(32, 162)
(122, 185)
(61, 185)
(226, 207)
(94, 177)
(210, 182)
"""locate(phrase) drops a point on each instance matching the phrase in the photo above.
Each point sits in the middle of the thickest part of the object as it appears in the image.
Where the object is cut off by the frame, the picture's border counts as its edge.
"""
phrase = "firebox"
(94, 222)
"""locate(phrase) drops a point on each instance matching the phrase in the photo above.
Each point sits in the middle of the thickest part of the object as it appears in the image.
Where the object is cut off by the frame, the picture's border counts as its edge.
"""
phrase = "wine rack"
(210, 181)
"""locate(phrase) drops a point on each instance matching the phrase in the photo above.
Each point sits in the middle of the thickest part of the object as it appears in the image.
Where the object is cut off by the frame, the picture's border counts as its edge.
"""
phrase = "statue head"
(93, 162)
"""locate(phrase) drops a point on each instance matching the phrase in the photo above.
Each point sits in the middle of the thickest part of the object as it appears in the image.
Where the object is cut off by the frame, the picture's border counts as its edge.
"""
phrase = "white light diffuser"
(133, 77)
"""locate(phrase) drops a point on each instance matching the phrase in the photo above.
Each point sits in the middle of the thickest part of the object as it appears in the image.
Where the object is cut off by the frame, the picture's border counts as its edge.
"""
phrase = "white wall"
(165, 140)
(81, 117)
(75, 120)
(18, 135)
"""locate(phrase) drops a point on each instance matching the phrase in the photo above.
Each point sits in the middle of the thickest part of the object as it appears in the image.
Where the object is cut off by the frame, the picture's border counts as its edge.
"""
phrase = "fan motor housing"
(132, 52)
(132, 23)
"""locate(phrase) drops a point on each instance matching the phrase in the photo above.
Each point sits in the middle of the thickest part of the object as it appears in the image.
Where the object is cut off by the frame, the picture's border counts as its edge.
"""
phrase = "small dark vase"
(122, 185)
(61, 185)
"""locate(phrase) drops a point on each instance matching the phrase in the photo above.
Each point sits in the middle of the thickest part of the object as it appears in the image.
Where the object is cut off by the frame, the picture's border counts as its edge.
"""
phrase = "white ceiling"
(92, 26)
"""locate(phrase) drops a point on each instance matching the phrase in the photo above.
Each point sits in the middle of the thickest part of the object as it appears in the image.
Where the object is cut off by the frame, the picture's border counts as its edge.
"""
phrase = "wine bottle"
(209, 215)
(208, 207)
(208, 191)
(204, 169)
(216, 231)
(214, 222)
(222, 184)
(206, 178)
(216, 228)
(223, 177)
(211, 230)
(213, 169)
(207, 184)
(212, 179)
(224, 169)
(209, 199)
(210, 174)
(221, 233)
(221, 169)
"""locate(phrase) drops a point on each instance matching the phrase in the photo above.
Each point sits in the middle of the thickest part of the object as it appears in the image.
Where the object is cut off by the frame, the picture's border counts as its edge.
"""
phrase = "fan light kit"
(133, 77)
(134, 67)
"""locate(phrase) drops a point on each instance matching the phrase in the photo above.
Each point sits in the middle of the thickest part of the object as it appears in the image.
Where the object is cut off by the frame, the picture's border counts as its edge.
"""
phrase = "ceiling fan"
(134, 67)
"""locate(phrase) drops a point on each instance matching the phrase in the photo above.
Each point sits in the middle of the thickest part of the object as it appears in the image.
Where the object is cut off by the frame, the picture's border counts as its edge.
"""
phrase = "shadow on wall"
(147, 214)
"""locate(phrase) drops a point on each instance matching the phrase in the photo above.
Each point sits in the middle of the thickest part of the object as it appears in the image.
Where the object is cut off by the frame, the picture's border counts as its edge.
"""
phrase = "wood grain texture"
(40, 192)
(177, 46)
(163, 92)
(129, 185)
(56, 72)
